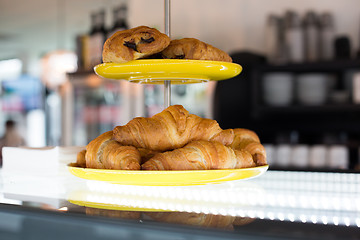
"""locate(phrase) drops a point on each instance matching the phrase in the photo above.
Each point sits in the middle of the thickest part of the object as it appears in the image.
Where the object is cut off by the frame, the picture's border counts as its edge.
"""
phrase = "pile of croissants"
(173, 139)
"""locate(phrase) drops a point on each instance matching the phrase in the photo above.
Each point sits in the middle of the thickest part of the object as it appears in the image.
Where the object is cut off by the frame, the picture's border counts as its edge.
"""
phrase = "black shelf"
(321, 66)
(298, 169)
(310, 109)
(311, 122)
(336, 66)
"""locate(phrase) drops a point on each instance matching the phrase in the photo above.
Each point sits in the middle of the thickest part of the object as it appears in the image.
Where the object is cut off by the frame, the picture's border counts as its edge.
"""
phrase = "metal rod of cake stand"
(167, 83)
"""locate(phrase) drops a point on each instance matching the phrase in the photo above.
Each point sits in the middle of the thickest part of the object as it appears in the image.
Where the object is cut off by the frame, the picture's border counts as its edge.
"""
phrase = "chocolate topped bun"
(135, 43)
(191, 48)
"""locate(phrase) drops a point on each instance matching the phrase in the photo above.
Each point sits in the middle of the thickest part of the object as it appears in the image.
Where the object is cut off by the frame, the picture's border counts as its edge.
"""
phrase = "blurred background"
(299, 89)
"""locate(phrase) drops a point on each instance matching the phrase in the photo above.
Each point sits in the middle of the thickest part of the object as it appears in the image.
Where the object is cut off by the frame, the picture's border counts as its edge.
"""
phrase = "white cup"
(312, 88)
(283, 155)
(338, 157)
(278, 88)
(300, 156)
(356, 88)
(317, 156)
(270, 154)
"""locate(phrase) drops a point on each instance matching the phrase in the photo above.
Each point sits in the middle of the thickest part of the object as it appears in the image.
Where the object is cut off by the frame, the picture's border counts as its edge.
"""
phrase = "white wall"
(238, 24)
(227, 24)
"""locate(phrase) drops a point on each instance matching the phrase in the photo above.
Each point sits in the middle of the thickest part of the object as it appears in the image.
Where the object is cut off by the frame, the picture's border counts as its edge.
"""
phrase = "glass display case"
(92, 105)
(47, 201)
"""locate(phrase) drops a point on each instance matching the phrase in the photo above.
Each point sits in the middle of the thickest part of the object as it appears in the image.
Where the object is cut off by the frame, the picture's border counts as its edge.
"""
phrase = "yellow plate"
(178, 71)
(167, 178)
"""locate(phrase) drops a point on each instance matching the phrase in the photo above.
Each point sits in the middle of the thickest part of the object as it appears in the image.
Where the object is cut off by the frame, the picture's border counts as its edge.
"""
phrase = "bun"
(135, 43)
(191, 48)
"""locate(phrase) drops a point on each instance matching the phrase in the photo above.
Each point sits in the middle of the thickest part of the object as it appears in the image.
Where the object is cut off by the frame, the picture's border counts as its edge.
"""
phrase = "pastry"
(200, 155)
(170, 129)
(248, 140)
(146, 154)
(191, 48)
(80, 159)
(135, 43)
(173, 139)
(105, 153)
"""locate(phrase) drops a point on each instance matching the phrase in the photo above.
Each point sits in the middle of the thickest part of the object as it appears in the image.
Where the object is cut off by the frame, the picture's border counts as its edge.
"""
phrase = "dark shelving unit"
(310, 121)
(345, 112)
(321, 66)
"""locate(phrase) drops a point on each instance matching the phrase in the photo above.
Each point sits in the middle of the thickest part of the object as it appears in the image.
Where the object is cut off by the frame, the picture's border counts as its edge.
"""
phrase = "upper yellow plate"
(178, 71)
(167, 178)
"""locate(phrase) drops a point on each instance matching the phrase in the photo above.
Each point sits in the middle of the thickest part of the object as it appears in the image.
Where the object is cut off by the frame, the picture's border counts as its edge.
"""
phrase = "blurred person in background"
(11, 137)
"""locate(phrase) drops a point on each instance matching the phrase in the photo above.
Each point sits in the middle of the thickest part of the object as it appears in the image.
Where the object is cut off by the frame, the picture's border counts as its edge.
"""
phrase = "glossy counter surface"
(277, 204)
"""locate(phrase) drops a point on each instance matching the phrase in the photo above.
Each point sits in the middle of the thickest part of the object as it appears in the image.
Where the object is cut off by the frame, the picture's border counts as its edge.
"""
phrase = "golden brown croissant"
(80, 159)
(105, 153)
(200, 155)
(192, 48)
(170, 129)
(146, 154)
(248, 140)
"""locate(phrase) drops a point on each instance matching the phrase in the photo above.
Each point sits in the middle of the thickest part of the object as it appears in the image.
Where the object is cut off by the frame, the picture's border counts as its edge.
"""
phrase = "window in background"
(20, 96)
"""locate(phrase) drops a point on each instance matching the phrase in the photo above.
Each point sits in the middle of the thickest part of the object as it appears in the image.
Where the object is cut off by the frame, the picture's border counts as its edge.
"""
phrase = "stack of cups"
(305, 156)
(283, 155)
(338, 157)
(318, 156)
(312, 89)
(300, 156)
(270, 154)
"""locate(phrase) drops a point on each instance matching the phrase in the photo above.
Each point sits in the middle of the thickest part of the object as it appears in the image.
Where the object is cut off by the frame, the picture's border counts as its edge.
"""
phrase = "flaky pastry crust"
(170, 129)
(192, 48)
(135, 43)
(105, 153)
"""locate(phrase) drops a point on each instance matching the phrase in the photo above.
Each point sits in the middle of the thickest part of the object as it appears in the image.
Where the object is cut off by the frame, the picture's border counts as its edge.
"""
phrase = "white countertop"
(315, 197)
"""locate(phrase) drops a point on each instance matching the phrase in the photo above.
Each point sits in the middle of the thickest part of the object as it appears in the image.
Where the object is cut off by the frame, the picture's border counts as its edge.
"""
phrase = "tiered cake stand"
(167, 72)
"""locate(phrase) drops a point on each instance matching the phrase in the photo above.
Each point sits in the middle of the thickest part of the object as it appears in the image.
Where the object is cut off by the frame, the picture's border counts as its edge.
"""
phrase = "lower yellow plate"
(167, 178)
(178, 71)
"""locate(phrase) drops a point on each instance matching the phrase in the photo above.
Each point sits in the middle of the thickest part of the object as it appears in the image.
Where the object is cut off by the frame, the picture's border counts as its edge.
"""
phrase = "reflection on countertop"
(319, 198)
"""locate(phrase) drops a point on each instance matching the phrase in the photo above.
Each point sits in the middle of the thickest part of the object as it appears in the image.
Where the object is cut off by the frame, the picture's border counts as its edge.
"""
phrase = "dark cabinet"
(335, 120)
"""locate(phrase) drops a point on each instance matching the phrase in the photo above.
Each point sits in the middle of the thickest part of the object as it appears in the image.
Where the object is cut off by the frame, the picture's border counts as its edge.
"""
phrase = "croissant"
(105, 153)
(192, 48)
(146, 154)
(170, 129)
(200, 155)
(248, 140)
(80, 159)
